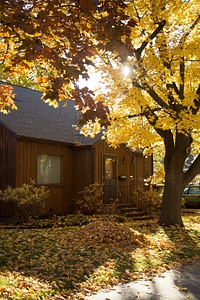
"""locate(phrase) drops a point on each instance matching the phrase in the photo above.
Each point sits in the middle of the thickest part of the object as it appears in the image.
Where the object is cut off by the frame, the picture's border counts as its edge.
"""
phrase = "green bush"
(149, 201)
(89, 201)
(28, 200)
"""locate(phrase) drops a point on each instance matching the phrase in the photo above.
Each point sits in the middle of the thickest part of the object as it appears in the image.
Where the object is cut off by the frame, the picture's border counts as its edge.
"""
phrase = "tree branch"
(184, 37)
(152, 93)
(138, 52)
(192, 171)
(196, 102)
(173, 86)
(144, 113)
(182, 75)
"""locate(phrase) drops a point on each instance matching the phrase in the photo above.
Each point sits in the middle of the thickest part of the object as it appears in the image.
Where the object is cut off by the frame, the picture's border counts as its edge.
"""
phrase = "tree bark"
(172, 198)
(175, 178)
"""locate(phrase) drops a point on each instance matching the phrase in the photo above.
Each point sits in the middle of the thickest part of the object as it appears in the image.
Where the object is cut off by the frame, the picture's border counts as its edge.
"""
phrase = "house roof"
(36, 119)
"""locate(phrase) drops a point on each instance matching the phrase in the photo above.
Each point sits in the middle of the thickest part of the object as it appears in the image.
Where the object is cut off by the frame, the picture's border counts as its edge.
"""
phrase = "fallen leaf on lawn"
(58, 263)
(183, 289)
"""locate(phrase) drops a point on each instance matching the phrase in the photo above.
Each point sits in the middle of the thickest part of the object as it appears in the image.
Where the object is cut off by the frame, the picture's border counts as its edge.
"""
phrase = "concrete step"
(131, 211)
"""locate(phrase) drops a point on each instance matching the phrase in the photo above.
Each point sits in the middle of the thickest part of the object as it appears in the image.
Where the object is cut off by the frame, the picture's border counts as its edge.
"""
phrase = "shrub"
(149, 201)
(28, 199)
(89, 201)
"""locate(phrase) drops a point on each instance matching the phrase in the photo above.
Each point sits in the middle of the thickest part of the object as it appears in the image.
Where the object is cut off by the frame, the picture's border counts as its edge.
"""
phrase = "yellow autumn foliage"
(161, 90)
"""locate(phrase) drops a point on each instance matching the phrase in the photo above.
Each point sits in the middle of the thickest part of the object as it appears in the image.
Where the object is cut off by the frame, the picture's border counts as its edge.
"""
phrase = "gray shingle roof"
(36, 119)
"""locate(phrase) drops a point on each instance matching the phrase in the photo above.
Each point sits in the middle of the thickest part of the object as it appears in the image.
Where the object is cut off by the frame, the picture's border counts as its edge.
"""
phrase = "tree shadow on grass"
(187, 255)
(182, 253)
(176, 246)
(85, 258)
(185, 242)
(69, 261)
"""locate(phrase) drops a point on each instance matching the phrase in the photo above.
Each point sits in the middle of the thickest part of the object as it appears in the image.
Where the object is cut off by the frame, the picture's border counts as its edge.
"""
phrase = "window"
(110, 167)
(48, 169)
(194, 190)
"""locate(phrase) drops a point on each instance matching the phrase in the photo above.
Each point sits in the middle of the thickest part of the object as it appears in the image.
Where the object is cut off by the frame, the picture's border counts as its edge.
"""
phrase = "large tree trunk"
(176, 152)
(172, 198)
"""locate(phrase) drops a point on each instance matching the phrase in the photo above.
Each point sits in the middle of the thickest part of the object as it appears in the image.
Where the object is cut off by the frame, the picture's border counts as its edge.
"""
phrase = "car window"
(194, 190)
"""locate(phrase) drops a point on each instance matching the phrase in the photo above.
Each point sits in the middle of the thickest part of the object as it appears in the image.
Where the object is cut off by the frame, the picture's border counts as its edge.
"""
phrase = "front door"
(110, 178)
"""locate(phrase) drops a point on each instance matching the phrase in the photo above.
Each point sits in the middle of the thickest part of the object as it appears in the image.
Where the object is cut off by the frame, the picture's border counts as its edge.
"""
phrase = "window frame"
(39, 182)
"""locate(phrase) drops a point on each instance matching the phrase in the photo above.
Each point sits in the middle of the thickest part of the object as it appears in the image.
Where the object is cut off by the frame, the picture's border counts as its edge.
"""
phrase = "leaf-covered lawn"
(70, 262)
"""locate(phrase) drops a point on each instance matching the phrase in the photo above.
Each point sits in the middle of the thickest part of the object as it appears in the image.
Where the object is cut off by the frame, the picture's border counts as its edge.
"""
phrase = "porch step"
(131, 211)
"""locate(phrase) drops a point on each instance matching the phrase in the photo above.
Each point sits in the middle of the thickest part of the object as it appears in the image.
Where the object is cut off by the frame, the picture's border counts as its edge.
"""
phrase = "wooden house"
(40, 142)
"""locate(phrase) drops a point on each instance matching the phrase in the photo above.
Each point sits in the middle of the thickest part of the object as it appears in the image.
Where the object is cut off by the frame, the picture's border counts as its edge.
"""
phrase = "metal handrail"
(126, 194)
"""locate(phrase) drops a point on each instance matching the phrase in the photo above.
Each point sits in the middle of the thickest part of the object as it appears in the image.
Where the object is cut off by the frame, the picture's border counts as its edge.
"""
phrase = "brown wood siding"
(143, 169)
(7, 165)
(26, 168)
(132, 169)
(138, 171)
(124, 168)
(148, 165)
(124, 158)
(82, 168)
(7, 158)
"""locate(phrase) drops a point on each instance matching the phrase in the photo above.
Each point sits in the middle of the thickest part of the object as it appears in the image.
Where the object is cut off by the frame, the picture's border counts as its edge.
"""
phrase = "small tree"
(89, 201)
(28, 199)
(149, 201)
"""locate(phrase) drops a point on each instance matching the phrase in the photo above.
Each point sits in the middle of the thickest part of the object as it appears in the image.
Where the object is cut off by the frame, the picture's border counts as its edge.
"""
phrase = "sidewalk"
(175, 284)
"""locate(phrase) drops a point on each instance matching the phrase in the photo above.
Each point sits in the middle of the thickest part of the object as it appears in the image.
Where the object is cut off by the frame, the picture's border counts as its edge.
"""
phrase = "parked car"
(191, 196)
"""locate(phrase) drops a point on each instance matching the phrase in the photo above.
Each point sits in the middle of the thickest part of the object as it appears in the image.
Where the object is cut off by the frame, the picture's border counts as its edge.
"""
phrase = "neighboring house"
(40, 142)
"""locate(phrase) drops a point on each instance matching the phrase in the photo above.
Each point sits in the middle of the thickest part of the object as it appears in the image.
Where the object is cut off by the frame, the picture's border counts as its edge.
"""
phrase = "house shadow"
(36, 259)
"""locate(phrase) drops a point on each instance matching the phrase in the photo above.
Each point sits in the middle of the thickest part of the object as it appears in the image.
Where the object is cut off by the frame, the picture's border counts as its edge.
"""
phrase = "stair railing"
(125, 195)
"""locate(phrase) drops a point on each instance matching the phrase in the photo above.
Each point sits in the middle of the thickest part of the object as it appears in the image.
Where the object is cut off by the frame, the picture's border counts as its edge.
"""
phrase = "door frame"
(110, 195)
